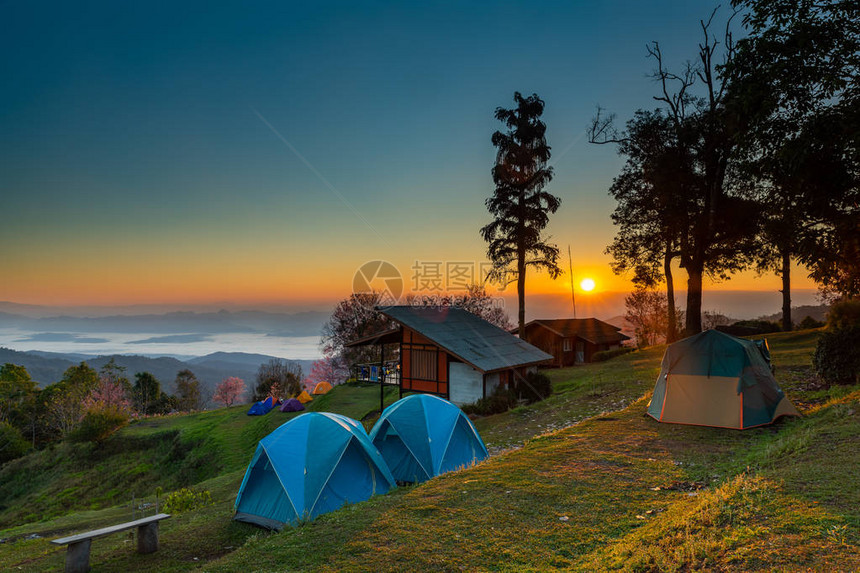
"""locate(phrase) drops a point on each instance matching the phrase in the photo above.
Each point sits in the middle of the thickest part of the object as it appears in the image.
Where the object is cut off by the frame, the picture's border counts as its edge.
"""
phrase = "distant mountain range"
(180, 322)
(48, 367)
(798, 313)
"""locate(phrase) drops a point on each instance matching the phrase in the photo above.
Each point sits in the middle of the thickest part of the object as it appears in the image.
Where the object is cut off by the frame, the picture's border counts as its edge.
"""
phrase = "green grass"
(615, 491)
(578, 393)
(168, 452)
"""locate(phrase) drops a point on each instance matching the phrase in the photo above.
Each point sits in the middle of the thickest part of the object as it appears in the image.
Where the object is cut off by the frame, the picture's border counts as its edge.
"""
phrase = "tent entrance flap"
(702, 400)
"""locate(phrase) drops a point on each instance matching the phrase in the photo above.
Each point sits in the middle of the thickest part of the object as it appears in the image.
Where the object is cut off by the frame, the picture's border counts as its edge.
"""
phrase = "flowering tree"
(329, 369)
(229, 390)
(65, 399)
(110, 393)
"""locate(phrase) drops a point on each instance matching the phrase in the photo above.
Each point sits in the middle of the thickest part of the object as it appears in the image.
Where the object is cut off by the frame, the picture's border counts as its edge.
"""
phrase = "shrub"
(186, 499)
(98, 424)
(535, 387)
(12, 443)
(605, 355)
(501, 400)
(750, 327)
(837, 356)
(844, 313)
(809, 322)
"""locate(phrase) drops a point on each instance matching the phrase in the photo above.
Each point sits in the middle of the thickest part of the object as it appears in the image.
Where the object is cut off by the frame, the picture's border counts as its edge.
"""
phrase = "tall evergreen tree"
(519, 204)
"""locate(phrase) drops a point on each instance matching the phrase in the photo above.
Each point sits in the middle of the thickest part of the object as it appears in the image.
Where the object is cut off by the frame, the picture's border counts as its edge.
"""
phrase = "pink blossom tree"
(329, 369)
(229, 390)
(110, 393)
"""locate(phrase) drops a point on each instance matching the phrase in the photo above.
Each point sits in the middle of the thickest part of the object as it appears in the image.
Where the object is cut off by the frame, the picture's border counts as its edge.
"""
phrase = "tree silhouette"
(352, 318)
(796, 82)
(718, 218)
(650, 214)
(519, 205)
(474, 299)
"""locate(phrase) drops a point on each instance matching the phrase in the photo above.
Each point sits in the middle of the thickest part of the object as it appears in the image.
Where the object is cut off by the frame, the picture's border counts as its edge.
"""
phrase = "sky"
(260, 153)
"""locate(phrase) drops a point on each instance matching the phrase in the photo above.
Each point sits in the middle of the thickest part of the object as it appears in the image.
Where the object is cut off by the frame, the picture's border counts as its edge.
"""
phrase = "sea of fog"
(159, 344)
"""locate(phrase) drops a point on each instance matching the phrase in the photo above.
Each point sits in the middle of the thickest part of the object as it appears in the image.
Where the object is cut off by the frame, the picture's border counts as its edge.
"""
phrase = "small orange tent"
(322, 388)
(304, 397)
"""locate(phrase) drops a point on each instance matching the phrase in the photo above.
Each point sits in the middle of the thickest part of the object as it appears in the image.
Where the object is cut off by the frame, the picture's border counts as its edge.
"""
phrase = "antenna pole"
(572, 297)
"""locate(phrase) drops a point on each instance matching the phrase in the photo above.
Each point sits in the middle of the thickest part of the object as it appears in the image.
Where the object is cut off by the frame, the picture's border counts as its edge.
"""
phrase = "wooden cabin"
(573, 340)
(453, 353)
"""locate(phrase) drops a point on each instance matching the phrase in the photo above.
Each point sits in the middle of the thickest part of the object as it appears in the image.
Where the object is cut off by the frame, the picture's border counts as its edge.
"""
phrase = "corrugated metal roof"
(468, 337)
(385, 337)
(590, 329)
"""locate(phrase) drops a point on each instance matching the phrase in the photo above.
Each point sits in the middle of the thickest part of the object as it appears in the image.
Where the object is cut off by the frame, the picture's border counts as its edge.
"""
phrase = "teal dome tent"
(311, 465)
(715, 379)
(422, 436)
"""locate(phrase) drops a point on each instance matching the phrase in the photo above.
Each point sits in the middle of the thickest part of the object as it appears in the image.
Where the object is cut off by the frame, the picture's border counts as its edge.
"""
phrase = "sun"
(587, 285)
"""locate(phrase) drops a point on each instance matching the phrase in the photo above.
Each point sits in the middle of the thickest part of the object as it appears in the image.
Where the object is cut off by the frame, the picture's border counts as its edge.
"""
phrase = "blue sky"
(137, 161)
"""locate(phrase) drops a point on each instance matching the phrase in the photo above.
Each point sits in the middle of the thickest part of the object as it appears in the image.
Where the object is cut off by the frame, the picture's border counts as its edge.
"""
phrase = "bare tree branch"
(602, 129)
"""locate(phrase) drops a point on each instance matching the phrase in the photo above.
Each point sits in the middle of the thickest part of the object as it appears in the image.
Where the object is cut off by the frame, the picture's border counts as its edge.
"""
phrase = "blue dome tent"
(311, 465)
(422, 436)
(262, 407)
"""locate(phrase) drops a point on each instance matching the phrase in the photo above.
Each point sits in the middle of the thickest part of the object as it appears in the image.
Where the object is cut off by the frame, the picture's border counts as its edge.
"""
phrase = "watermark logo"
(433, 283)
(379, 277)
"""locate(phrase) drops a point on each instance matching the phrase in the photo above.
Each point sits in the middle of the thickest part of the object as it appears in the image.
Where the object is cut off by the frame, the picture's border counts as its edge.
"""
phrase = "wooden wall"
(412, 341)
(549, 342)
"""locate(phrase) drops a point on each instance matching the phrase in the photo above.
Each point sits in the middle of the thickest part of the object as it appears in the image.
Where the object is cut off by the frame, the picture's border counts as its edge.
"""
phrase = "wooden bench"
(78, 553)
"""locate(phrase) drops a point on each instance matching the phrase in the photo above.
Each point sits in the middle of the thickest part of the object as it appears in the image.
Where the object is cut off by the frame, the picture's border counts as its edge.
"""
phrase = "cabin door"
(580, 352)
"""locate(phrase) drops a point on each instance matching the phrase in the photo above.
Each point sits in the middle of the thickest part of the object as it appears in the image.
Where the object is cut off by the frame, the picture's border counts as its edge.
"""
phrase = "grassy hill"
(583, 481)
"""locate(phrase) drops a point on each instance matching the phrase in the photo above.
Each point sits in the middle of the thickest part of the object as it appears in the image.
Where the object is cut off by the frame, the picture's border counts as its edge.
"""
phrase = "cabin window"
(568, 345)
(424, 365)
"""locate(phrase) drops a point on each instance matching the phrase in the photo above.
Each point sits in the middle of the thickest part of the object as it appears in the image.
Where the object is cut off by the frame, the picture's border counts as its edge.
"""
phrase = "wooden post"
(147, 538)
(381, 378)
(78, 557)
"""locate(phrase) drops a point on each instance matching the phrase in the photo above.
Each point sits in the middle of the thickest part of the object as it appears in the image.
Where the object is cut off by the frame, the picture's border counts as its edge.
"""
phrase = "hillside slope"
(616, 490)
(164, 451)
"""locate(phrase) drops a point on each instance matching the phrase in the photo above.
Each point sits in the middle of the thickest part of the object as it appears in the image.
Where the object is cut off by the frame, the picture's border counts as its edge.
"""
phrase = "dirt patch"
(682, 486)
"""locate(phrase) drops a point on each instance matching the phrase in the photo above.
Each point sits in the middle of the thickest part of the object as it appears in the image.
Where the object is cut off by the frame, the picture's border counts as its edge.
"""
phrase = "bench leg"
(147, 538)
(78, 557)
